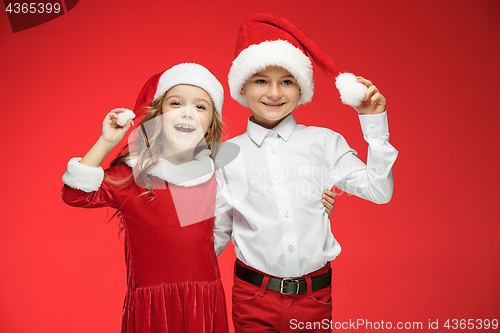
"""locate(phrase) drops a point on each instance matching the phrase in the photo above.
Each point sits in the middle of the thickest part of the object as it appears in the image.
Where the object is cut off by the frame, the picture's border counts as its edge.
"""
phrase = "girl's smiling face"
(271, 94)
(187, 115)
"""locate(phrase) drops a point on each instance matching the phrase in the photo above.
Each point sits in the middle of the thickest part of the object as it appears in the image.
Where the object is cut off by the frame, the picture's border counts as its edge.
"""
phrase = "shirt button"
(290, 248)
(372, 125)
(287, 213)
(273, 151)
(278, 181)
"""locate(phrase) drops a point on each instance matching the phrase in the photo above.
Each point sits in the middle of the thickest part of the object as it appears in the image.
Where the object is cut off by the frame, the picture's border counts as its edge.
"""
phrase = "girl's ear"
(209, 130)
(242, 91)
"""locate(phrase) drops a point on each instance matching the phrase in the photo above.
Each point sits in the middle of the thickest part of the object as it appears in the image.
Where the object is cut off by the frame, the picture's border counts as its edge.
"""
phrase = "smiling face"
(187, 115)
(271, 94)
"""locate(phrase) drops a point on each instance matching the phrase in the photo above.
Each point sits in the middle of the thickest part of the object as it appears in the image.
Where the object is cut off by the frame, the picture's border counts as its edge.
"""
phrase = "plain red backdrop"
(430, 254)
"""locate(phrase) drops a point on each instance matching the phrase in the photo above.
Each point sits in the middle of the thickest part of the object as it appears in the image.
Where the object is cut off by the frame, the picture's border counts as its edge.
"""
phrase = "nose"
(187, 112)
(274, 91)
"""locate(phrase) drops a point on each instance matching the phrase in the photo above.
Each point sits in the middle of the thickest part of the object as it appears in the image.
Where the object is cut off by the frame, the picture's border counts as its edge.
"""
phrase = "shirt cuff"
(83, 177)
(374, 125)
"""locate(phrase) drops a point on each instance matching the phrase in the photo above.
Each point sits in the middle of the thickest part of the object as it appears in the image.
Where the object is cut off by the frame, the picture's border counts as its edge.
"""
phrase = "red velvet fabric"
(173, 276)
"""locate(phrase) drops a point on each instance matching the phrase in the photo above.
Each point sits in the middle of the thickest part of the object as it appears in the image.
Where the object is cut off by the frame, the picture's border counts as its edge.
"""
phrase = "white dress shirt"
(269, 199)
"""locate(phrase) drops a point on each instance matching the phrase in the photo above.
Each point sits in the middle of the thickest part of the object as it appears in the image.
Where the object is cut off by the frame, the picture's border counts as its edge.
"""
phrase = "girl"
(172, 272)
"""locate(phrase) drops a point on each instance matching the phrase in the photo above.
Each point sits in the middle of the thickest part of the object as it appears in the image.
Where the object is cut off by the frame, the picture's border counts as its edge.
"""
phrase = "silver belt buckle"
(288, 293)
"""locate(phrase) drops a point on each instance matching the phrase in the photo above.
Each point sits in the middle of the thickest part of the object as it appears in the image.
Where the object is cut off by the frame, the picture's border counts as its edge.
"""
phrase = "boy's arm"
(373, 181)
(223, 222)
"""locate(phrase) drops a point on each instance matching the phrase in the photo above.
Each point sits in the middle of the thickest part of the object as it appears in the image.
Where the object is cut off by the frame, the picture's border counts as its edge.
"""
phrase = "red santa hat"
(185, 73)
(268, 40)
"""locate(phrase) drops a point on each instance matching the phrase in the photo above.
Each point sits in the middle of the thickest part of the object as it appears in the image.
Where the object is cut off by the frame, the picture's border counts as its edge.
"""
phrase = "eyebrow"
(281, 77)
(181, 97)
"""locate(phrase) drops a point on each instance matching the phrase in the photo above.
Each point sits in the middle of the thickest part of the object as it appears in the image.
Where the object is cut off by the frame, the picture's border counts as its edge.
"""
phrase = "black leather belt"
(284, 286)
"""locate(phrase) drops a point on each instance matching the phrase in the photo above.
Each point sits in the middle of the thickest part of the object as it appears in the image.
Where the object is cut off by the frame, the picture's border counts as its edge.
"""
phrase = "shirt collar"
(284, 129)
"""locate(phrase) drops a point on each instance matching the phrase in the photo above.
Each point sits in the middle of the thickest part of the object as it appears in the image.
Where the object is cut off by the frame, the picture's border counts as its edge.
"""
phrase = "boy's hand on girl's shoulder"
(374, 101)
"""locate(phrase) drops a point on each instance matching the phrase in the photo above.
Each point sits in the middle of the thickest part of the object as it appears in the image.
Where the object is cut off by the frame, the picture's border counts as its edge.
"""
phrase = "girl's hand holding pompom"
(124, 116)
(116, 124)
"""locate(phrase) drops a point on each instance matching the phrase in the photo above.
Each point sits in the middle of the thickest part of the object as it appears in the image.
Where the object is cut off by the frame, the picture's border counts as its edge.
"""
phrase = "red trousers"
(259, 310)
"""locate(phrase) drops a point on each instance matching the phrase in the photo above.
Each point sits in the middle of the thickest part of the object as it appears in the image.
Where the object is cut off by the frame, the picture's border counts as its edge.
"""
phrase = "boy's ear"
(242, 91)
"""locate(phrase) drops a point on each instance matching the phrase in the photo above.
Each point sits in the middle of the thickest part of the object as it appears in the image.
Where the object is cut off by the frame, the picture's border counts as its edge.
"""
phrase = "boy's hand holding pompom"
(360, 93)
(351, 91)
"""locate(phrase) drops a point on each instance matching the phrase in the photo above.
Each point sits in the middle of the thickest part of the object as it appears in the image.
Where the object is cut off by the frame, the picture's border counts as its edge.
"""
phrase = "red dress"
(173, 277)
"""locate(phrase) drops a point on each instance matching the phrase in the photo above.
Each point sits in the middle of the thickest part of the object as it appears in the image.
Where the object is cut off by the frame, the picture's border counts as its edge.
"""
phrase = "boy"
(281, 235)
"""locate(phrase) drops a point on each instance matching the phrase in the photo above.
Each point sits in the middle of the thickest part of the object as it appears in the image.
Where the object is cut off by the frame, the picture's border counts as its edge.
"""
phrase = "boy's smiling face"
(271, 94)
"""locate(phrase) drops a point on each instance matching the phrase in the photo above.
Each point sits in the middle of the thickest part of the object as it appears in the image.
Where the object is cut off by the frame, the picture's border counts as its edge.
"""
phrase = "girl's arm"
(328, 200)
(83, 179)
(111, 135)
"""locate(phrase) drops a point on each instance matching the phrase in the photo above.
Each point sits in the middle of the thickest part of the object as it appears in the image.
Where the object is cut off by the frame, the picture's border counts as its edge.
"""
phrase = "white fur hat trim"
(281, 53)
(195, 75)
(351, 91)
(192, 173)
(124, 116)
(83, 177)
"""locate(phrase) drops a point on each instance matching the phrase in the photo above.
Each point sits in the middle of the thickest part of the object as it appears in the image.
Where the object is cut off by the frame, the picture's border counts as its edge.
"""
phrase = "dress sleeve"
(372, 181)
(85, 186)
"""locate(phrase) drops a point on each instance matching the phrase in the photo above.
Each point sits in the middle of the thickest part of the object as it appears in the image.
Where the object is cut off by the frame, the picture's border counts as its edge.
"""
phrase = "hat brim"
(280, 53)
(195, 75)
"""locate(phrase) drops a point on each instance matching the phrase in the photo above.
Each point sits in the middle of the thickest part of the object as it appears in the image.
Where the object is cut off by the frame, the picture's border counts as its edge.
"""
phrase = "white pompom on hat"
(351, 91)
(269, 40)
(125, 116)
(185, 73)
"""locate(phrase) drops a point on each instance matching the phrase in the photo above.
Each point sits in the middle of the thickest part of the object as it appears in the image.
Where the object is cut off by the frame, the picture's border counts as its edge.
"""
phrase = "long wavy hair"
(147, 148)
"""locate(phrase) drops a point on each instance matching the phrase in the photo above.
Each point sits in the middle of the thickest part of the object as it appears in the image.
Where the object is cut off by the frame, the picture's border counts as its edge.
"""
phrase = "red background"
(432, 253)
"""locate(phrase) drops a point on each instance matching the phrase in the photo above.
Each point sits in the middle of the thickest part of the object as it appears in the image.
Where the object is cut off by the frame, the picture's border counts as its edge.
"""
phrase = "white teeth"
(186, 127)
